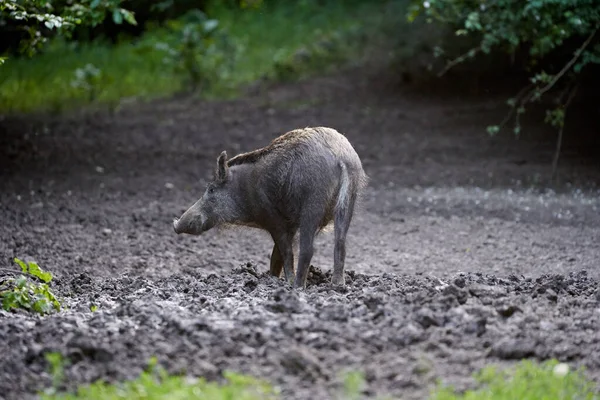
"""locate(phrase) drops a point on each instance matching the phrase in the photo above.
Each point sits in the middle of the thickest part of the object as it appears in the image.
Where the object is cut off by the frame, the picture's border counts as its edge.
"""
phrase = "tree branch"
(518, 102)
(6, 271)
(458, 60)
(560, 132)
(569, 64)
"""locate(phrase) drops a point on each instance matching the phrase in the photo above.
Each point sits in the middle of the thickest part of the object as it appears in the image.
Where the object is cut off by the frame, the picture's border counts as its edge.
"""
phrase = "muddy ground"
(459, 255)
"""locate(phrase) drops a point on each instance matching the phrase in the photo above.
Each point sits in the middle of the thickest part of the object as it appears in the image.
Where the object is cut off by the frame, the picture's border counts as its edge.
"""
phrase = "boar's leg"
(342, 218)
(307, 234)
(283, 242)
(276, 262)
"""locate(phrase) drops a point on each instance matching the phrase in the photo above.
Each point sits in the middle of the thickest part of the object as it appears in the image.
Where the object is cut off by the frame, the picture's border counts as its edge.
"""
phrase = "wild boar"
(292, 188)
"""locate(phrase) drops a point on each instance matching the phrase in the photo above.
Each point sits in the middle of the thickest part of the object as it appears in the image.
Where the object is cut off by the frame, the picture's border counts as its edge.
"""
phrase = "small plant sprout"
(24, 293)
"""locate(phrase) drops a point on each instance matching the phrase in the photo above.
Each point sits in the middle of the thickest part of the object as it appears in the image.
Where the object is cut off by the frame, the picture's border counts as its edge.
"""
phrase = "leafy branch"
(32, 16)
(460, 59)
(561, 130)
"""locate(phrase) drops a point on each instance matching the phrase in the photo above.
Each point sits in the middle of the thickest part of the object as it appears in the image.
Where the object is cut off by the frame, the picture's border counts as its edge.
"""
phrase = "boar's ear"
(222, 169)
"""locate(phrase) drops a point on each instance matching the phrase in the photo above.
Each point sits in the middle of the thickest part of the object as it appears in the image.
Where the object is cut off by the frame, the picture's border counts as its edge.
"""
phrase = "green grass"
(156, 384)
(267, 40)
(526, 381)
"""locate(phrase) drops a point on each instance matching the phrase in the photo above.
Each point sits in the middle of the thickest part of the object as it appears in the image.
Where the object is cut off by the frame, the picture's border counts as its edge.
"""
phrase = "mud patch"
(402, 332)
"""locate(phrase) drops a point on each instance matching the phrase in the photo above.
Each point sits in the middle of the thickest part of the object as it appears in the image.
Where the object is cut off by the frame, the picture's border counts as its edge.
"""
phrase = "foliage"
(542, 27)
(527, 381)
(35, 17)
(197, 48)
(23, 292)
(155, 383)
(259, 44)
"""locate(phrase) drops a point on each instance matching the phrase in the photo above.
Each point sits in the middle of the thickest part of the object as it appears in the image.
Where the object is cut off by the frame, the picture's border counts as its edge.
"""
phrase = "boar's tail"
(344, 191)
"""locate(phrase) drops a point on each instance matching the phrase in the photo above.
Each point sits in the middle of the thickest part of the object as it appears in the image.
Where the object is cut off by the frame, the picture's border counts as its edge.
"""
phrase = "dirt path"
(456, 258)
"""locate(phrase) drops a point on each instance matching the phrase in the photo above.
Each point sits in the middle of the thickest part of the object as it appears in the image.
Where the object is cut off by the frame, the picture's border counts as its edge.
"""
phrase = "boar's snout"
(191, 222)
(176, 226)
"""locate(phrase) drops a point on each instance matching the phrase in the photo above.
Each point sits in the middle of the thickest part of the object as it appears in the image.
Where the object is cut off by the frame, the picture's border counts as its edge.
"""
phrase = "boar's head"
(216, 206)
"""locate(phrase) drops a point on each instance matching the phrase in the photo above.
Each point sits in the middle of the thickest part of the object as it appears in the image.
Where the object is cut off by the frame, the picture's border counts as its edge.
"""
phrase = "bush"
(545, 30)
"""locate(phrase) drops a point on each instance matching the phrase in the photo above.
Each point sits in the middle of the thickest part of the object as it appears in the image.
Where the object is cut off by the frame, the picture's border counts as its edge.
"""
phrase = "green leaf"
(129, 16)
(493, 129)
(8, 300)
(41, 306)
(472, 22)
(117, 16)
(22, 265)
(93, 308)
(36, 271)
(210, 25)
(20, 282)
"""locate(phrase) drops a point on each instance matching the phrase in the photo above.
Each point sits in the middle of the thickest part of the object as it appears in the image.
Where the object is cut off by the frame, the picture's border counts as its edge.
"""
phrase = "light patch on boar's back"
(287, 141)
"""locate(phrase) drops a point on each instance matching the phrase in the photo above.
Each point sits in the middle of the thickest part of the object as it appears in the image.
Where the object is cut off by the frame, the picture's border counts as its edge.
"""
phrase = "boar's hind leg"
(276, 262)
(342, 218)
(307, 233)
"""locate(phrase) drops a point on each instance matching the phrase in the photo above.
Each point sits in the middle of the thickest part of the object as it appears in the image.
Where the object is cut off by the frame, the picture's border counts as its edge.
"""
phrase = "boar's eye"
(211, 189)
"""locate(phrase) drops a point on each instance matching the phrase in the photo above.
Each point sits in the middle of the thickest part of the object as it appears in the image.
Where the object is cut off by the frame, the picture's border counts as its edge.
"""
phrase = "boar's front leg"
(276, 262)
(283, 243)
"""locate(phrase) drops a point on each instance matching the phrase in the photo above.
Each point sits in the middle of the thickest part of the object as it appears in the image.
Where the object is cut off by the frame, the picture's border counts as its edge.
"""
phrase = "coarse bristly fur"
(295, 186)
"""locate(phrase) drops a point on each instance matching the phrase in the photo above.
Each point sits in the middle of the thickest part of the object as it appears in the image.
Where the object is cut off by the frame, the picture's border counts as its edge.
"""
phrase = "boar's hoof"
(338, 280)
(298, 285)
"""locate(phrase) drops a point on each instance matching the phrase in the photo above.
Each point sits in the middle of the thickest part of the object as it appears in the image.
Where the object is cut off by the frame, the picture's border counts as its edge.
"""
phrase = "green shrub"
(24, 293)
